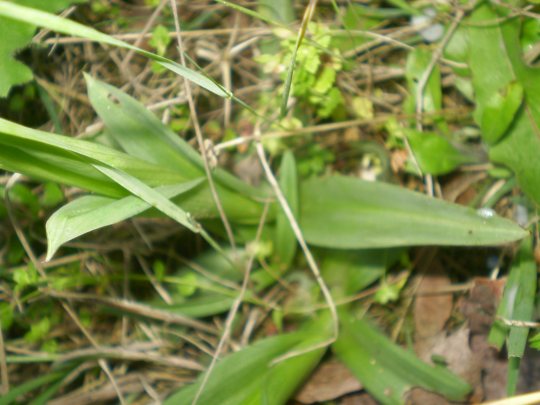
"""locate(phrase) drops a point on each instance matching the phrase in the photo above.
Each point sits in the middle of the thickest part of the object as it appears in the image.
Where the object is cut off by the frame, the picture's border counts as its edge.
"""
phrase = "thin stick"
(307, 253)
(198, 133)
(233, 311)
(327, 128)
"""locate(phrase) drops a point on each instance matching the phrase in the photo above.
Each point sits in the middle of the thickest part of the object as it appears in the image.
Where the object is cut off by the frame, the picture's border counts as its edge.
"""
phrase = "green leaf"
(52, 195)
(160, 39)
(16, 35)
(496, 62)
(65, 153)
(434, 153)
(246, 377)
(89, 213)
(387, 371)
(417, 63)
(499, 112)
(348, 213)
(284, 239)
(517, 303)
(54, 23)
(200, 306)
(141, 134)
(350, 271)
(277, 10)
(150, 196)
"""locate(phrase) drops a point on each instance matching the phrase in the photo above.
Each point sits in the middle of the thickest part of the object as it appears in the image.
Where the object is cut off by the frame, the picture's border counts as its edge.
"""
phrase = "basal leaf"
(150, 196)
(386, 370)
(285, 240)
(247, 377)
(89, 213)
(348, 213)
(141, 134)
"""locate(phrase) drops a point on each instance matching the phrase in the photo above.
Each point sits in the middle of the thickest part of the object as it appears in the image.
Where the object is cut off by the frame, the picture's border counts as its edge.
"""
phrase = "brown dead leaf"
(329, 381)
(431, 311)
(359, 399)
(480, 305)
(419, 396)
(460, 189)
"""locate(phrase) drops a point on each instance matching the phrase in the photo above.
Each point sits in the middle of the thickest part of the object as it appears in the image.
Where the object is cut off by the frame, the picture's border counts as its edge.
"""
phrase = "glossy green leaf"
(348, 213)
(386, 370)
(247, 377)
(496, 61)
(284, 238)
(39, 18)
(434, 153)
(89, 213)
(499, 112)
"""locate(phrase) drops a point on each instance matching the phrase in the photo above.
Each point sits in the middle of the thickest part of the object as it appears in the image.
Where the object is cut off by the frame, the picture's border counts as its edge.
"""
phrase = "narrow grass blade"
(150, 196)
(517, 304)
(89, 213)
(310, 9)
(364, 214)
(31, 385)
(386, 370)
(68, 27)
(285, 240)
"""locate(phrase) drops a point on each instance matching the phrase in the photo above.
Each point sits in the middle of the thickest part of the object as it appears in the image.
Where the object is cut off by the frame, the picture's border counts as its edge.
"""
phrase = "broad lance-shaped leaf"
(386, 370)
(65, 26)
(284, 239)
(498, 76)
(89, 213)
(141, 134)
(77, 150)
(66, 160)
(348, 213)
(247, 376)
(150, 196)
